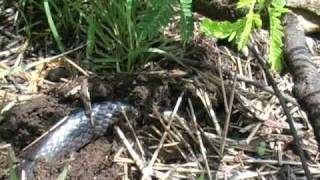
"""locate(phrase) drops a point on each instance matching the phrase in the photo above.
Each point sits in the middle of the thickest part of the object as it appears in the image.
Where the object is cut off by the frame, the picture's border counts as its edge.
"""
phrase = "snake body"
(73, 132)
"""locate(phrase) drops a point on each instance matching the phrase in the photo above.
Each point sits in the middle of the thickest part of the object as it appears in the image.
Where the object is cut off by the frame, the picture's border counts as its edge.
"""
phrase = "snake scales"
(71, 133)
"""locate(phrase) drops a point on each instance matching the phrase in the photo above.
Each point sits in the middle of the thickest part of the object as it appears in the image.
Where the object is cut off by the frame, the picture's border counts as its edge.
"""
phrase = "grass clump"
(118, 34)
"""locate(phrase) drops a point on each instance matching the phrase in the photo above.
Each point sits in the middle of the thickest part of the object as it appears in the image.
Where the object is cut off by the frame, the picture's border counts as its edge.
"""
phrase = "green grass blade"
(129, 21)
(186, 21)
(52, 25)
(91, 36)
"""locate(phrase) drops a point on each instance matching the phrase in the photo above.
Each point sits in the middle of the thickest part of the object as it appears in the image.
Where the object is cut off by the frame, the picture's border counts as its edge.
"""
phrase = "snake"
(72, 133)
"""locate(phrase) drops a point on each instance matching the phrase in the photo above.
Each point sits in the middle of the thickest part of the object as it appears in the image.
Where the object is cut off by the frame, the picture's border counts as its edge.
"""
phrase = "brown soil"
(160, 88)
(25, 122)
(28, 121)
(92, 162)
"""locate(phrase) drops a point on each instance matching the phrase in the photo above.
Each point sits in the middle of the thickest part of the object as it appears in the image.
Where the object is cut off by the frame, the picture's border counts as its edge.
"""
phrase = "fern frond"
(156, 17)
(246, 25)
(239, 30)
(246, 3)
(250, 20)
(275, 39)
(243, 38)
(219, 30)
(279, 4)
(257, 21)
(186, 21)
(261, 5)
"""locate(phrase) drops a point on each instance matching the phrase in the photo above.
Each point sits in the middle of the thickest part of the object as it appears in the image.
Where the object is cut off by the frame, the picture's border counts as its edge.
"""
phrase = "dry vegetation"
(228, 123)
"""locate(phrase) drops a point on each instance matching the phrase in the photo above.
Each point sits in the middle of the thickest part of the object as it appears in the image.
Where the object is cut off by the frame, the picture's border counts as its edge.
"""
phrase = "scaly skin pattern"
(73, 132)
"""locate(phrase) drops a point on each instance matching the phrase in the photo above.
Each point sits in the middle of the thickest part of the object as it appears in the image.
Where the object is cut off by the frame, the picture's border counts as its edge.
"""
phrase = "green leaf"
(244, 36)
(239, 30)
(129, 5)
(186, 21)
(278, 3)
(257, 21)
(91, 35)
(155, 17)
(201, 177)
(245, 3)
(261, 149)
(52, 25)
(232, 36)
(261, 5)
(275, 38)
(219, 30)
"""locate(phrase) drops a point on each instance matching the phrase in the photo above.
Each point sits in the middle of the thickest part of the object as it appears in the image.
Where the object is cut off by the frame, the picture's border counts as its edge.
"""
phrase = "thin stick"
(76, 66)
(172, 136)
(3, 101)
(143, 155)
(268, 89)
(285, 109)
(138, 161)
(20, 55)
(226, 126)
(148, 169)
(207, 104)
(253, 132)
(202, 148)
(177, 136)
(222, 87)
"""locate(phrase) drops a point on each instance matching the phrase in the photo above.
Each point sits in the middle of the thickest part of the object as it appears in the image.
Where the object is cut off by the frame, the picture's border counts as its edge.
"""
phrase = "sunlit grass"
(111, 31)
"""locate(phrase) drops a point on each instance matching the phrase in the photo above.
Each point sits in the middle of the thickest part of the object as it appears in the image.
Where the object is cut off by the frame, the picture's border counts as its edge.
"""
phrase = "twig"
(48, 59)
(138, 161)
(222, 86)
(13, 50)
(8, 34)
(268, 89)
(21, 52)
(226, 126)
(285, 109)
(148, 170)
(134, 135)
(202, 148)
(209, 143)
(125, 169)
(253, 132)
(183, 123)
(3, 101)
(76, 66)
(203, 95)
(175, 133)
(249, 159)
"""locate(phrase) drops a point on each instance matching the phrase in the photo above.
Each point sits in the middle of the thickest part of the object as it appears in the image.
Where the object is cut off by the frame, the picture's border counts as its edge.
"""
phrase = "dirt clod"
(92, 162)
(27, 121)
